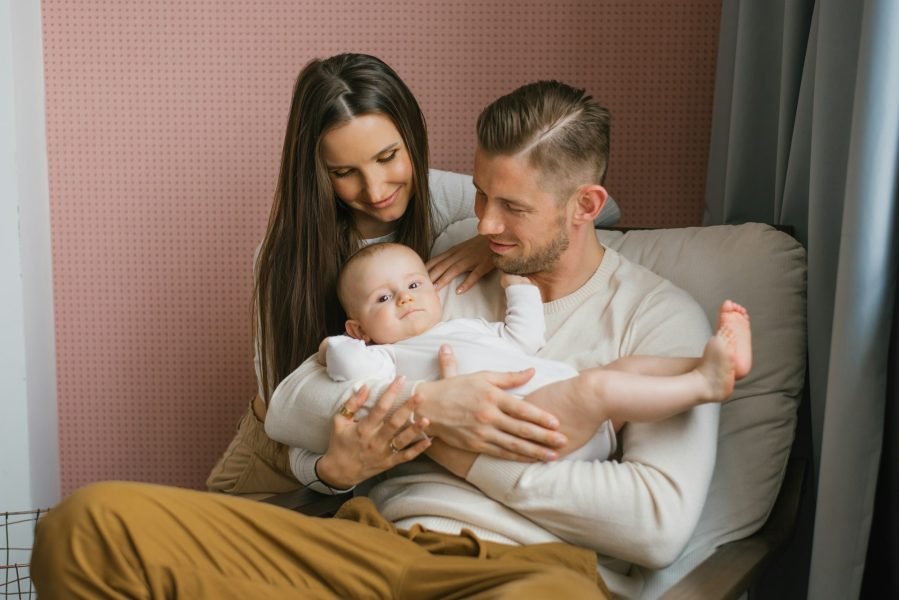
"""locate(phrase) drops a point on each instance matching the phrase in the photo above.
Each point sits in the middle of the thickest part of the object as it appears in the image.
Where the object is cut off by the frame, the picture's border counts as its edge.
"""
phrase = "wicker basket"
(16, 538)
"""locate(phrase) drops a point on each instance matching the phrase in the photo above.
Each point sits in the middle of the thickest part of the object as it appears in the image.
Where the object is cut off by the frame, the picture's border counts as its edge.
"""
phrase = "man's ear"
(354, 330)
(589, 200)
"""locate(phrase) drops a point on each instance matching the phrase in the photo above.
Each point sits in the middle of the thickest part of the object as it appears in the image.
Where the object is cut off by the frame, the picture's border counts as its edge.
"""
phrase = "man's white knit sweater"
(641, 508)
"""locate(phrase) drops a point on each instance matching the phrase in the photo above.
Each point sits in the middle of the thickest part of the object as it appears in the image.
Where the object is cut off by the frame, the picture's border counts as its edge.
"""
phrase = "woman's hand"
(472, 256)
(474, 413)
(361, 449)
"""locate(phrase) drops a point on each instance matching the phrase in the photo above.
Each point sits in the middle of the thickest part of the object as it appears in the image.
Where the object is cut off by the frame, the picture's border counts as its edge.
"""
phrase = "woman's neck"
(372, 228)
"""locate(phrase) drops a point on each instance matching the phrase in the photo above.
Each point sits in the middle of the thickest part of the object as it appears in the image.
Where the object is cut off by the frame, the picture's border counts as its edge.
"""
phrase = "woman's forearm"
(301, 407)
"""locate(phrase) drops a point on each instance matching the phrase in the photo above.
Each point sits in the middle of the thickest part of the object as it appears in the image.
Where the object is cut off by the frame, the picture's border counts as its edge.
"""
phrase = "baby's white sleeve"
(348, 359)
(525, 323)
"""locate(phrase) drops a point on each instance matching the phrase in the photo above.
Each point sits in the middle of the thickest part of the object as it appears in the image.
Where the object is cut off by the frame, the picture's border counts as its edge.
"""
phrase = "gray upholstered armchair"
(754, 496)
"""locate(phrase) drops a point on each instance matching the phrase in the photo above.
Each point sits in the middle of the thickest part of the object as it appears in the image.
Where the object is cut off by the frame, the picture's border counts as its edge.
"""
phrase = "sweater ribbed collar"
(598, 281)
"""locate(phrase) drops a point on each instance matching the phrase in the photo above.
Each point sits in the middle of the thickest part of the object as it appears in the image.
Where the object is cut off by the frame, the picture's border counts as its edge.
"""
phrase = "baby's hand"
(322, 355)
(507, 279)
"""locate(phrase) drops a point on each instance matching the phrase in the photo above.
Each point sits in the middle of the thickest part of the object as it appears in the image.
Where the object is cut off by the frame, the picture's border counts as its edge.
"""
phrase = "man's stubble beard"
(542, 260)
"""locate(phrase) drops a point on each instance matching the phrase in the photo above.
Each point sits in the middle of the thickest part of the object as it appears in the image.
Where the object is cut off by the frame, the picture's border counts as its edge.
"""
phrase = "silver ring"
(392, 446)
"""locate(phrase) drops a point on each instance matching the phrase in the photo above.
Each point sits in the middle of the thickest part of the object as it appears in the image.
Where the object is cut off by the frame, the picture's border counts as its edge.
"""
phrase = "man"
(541, 159)
(496, 524)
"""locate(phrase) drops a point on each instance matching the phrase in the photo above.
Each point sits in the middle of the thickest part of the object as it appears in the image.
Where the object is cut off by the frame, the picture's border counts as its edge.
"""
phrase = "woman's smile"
(388, 201)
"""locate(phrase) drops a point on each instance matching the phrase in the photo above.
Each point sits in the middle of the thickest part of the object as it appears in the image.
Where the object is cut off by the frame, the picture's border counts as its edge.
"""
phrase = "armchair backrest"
(765, 270)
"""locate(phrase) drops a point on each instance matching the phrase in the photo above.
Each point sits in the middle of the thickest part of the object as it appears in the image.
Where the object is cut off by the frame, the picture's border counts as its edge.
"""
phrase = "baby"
(395, 327)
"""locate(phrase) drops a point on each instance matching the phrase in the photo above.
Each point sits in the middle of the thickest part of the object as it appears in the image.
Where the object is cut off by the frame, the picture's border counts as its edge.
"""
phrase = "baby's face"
(392, 297)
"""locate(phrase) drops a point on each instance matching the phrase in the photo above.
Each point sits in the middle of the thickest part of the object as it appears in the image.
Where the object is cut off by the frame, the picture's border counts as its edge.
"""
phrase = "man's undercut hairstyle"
(559, 129)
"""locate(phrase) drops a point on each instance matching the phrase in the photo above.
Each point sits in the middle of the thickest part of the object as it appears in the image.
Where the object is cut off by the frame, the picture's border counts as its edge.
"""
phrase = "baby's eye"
(383, 298)
(414, 285)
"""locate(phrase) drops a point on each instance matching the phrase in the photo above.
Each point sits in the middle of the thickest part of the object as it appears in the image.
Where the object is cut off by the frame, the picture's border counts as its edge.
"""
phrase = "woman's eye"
(384, 298)
(342, 173)
(414, 285)
(389, 157)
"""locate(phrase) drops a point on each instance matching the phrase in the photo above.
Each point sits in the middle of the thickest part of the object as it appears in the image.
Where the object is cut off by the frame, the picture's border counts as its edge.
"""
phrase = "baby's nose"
(405, 298)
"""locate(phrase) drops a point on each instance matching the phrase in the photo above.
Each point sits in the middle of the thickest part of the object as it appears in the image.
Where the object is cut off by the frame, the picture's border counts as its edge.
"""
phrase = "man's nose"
(489, 222)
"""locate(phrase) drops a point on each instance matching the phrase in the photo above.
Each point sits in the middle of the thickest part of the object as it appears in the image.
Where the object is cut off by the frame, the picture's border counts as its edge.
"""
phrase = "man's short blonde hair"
(559, 129)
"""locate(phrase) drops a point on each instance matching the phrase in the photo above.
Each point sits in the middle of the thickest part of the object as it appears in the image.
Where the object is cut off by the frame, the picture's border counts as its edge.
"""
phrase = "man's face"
(526, 226)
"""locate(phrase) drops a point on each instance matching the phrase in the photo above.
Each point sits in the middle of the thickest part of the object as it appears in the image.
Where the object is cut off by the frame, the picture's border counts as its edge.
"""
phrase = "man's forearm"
(642, 508)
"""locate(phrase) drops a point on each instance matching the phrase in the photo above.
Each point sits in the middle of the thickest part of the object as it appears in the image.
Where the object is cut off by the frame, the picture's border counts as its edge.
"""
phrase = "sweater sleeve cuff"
(316, 484)
(494, 476)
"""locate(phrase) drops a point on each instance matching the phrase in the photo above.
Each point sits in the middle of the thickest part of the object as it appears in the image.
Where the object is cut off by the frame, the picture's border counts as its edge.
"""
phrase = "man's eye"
(414, 285)
(384, 298)
(389, 157)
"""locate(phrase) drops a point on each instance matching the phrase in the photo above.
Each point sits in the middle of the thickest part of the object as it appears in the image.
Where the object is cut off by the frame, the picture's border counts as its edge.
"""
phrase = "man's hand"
(473, 412)
(456, 461)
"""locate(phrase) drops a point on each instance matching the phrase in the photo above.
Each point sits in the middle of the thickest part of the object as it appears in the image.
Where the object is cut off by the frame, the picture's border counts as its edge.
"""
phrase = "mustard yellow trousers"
(129, 540)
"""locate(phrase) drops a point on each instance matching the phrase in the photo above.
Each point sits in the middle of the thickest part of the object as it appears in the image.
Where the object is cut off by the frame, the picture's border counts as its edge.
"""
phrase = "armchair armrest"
(310, 503)
(731, 568)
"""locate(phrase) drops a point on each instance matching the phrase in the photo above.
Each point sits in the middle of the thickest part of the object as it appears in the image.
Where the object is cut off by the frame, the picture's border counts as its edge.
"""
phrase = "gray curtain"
(805, 133)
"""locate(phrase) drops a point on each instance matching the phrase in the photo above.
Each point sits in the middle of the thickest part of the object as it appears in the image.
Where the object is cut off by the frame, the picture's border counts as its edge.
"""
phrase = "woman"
(354, 169)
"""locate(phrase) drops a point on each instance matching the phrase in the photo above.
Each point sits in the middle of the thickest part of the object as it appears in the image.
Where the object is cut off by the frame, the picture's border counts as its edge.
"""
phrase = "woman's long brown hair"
(310, 233)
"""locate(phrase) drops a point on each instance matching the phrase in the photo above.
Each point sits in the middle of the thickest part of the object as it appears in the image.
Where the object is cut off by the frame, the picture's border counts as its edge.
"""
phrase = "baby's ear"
(354, 330)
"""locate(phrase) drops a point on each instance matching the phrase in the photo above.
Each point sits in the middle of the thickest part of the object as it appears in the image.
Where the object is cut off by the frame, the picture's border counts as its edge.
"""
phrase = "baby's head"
(387, 294)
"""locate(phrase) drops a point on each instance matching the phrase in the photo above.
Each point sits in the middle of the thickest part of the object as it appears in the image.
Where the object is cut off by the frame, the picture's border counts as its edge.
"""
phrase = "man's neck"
(578, 264)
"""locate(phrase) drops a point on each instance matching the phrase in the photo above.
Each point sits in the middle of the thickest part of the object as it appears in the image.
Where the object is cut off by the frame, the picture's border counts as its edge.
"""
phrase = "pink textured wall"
(164, 127)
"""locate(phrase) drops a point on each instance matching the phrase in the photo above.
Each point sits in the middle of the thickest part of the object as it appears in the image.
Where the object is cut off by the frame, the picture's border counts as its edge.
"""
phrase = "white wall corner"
(29, 442)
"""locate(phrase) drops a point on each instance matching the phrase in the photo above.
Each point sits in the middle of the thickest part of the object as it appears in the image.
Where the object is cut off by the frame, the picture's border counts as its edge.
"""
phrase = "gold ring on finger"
(346, 412)
(392, 446)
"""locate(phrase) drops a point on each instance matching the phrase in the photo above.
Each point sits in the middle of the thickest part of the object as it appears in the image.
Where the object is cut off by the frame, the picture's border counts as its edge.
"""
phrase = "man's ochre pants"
(129, 540)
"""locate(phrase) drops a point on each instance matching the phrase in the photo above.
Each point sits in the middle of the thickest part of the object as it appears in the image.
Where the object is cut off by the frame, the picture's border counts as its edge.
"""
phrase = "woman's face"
(370, 170)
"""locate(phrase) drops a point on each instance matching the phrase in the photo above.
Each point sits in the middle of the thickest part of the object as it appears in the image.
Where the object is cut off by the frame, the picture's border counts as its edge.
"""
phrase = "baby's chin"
(424, 324)
(412, 328)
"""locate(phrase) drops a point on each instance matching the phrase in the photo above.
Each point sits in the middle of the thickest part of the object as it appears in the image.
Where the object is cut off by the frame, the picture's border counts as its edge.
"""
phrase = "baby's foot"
(736, 318)
(717, 366)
